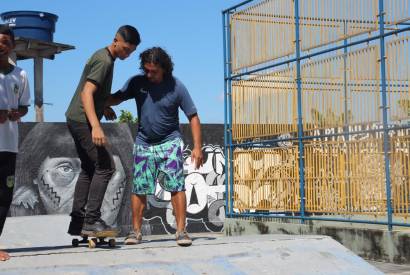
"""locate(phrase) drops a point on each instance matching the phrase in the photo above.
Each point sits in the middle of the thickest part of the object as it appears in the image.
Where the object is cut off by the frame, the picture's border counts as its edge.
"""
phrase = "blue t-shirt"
(157, 106)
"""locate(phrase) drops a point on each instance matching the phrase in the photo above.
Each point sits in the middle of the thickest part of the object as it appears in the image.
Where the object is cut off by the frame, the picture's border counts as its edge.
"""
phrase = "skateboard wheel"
(92, 243)
(111, 243)
(75, 242)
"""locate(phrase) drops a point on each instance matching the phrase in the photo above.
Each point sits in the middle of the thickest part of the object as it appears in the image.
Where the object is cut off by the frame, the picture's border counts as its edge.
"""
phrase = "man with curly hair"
(158, 145)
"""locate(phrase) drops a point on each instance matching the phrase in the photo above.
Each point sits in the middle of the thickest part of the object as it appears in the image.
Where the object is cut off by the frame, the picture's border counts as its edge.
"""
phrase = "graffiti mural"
(205, 189)
(48, 168)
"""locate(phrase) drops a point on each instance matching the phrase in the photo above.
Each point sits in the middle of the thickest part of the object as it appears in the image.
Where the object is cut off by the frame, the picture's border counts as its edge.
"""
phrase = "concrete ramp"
(39, 245)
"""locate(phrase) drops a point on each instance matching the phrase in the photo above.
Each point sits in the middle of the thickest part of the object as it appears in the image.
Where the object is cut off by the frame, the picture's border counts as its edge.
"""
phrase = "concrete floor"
(39, 245)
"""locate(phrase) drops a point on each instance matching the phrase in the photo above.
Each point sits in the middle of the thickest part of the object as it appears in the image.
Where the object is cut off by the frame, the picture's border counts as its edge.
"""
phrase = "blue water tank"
(31, 24)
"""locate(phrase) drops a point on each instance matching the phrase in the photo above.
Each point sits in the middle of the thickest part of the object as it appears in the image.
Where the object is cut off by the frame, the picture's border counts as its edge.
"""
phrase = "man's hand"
(109, 113)
(196, 157)
(3, 115)
(14, 115)
(98, 136)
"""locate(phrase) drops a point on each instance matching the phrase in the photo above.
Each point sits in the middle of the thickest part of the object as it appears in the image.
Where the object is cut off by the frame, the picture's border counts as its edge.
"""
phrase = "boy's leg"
(97, 167)
(104, 169)
(7, 170)
(80, 134)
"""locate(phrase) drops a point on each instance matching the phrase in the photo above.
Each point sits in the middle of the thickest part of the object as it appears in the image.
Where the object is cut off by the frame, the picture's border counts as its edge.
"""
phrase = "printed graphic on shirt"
(10, 181)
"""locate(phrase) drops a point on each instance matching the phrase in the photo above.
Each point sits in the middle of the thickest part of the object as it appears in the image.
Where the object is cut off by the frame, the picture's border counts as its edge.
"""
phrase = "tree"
(404, 104)
(127, 117)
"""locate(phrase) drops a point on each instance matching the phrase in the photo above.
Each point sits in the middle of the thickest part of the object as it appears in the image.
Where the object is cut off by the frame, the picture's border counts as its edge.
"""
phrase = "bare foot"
(4, 256)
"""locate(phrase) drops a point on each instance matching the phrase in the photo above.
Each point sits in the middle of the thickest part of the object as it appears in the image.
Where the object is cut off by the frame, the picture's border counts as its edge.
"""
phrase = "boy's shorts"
(161, 162)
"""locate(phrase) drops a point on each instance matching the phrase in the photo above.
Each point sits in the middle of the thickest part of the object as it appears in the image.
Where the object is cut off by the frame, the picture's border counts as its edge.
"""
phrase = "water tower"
(34, 39)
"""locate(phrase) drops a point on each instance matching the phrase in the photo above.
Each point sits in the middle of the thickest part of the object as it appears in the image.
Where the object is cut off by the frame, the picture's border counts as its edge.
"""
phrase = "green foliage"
(404, 104)
(127, 117)
(329, 117)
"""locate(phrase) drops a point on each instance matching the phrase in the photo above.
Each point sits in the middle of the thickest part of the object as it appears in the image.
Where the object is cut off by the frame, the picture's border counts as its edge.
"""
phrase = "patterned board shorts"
(162, 163)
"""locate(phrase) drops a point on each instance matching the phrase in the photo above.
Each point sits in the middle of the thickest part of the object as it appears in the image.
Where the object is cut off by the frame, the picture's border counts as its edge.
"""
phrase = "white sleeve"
(24, 98)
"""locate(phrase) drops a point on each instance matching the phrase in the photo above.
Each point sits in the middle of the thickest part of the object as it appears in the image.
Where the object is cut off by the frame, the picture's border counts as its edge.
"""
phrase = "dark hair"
(129, 34)
(157, 56)
(5, 29)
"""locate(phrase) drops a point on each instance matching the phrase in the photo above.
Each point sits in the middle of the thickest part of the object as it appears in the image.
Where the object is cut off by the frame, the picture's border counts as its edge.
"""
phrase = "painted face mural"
(56, 183)
(53, 188)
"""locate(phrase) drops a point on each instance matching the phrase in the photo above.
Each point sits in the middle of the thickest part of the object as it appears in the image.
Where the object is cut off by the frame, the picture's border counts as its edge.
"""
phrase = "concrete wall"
(368, 241)
(48, 167)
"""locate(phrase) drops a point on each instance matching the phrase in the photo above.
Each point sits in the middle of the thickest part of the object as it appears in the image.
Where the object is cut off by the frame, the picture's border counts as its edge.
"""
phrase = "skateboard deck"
(95, 239)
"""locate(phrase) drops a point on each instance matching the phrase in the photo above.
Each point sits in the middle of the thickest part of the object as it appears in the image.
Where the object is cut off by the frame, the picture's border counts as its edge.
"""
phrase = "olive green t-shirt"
(98, 70)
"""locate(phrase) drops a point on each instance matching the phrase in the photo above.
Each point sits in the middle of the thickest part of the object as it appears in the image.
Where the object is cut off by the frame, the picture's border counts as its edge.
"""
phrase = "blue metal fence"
(252, 68)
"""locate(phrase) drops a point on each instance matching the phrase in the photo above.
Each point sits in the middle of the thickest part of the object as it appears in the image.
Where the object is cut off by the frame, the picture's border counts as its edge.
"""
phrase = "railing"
(317, 109)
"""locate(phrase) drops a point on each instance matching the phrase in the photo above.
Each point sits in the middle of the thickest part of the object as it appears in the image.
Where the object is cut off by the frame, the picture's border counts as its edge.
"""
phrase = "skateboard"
(95, 240)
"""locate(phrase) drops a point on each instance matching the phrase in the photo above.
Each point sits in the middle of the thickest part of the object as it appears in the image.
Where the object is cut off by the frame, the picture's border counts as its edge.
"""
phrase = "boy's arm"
(196, 155)
(16, 114)
(87, 99)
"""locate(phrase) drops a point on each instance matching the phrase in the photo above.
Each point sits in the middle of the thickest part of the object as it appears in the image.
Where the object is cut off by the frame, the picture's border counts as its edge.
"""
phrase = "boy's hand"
(3, 115)
(109, 113)
(14, 115)
(98, 136)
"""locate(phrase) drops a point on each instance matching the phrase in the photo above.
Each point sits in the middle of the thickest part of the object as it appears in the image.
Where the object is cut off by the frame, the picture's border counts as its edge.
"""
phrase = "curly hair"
(157, 56)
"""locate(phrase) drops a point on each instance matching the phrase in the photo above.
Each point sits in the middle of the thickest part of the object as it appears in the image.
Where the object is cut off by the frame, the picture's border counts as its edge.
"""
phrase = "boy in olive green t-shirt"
(83, 120)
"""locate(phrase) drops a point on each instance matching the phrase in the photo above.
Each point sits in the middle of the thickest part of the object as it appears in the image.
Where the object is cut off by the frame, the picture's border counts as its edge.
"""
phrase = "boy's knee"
(6, 196)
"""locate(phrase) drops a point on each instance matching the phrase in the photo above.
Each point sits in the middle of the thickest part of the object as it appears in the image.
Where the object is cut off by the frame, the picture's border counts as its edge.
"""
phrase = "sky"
(189, 30)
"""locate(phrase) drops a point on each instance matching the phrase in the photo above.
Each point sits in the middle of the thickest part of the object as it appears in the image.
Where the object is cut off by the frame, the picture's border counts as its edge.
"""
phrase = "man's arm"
(109, 113)
(196, 155)
(87, 99)
(113, 101)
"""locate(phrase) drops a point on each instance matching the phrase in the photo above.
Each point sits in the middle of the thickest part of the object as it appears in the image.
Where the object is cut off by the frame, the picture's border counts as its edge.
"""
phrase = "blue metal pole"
(225, 114)
(260, 143)
(300, 118)
(346, 118)
(237, 6)
(386, 143)
(313, 218)
(346, 122)
(229, 129)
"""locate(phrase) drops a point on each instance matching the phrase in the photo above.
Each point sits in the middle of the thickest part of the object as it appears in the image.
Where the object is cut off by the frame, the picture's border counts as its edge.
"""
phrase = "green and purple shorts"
(161, 163)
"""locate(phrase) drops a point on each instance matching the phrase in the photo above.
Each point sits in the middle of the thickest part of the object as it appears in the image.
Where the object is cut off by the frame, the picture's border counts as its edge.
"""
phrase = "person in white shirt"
(14, 102)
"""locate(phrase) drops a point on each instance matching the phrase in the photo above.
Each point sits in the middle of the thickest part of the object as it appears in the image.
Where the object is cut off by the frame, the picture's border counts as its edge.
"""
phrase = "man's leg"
(7, 169)
(172, 177)
(143, 183)
(178, 200)
(138, 204)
